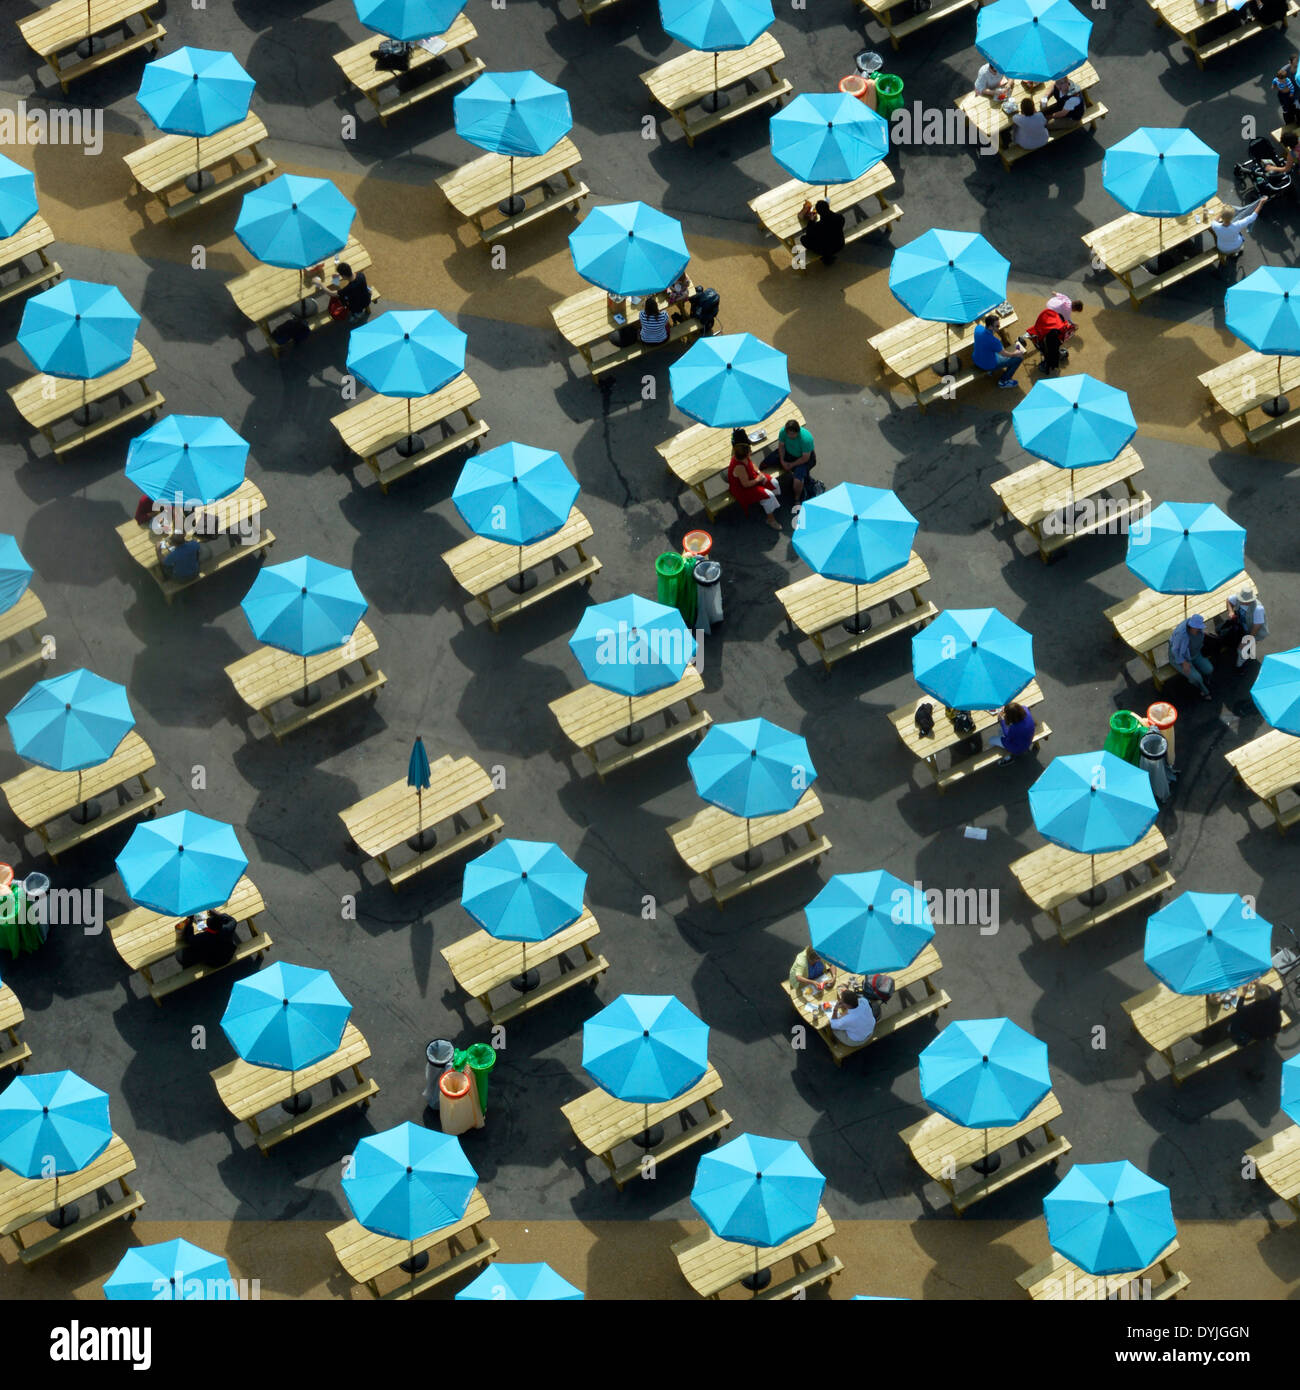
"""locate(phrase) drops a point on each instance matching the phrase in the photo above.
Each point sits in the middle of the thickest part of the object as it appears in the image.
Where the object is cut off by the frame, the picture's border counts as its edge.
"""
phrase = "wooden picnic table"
(377, 425)
(47, 402)
(908, 982)
(368, 1257)
(603, 1124)
(162, 167)
(39, 797)
(1250, 382)
(946, 739)
(385, 820)
(1125, 245)
(482, 566)
(912, 349)
(476, 189)
(1190, 18)
(146, 939)
(711, 1265)
(1052, 876)
(1277, 1161)
(683, 82)
(589, 716)
(901, 19)
(480, 964)
(944, 1148)
(1164, 1020)
(1270, 767)
(778, 209)
(709, 838)
(586, 320)
(268, 676)
(236, 517)
(1146, 622)
(358, 65)
(1057, 1280)
(55, 32)
(269, 292)
(30, 239)
(25, 1203)
(11, 1018)
(699, 456)
(816, 607)
(1059, 505)
(997, 128)
(22, 619)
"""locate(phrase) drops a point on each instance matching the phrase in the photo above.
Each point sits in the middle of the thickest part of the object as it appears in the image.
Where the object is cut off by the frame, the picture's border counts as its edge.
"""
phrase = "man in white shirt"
(1030, 126)
(853, 1022)
(1229, 230)
(987, 81)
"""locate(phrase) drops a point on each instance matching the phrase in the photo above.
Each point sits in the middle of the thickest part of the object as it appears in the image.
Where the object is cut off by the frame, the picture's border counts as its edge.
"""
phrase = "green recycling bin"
(688, 598)
(670, 567)
(889, 93)
(481, 1058)
(1125, 736)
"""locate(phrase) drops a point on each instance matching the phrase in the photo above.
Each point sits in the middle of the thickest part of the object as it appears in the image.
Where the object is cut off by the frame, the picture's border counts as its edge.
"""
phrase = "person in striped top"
(654, 322)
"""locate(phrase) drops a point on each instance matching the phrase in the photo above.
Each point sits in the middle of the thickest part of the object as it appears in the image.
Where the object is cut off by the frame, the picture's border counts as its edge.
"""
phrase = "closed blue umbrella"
(1202, 943)
(1092, 803)
(515, 494)
(417, 776)
(1263, 310)
(1109, 1218)
(518, 1283)
(984, 1073)
(730, 380)
(407, 353)
(1074, 421)
(181, 864)
(869, 922)
(70, 722)
(286, 1017)
(15, 572)
(1035, 40)
(629, 249)
(294, 221)
(52, 1123)
(197, 458)
(751, 767)
(973, 658)
(1185, 548)
(171, 1271)
(195, 91)
(828, 138)
(516, 114)
(1161, 171)
(305, 606)
(1291, 1088)
(17, 196)
(78, 330)
(1276, 691)
(408, 20)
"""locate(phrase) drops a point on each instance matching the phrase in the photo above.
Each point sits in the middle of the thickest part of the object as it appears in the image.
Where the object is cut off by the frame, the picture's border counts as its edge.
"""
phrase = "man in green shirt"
(797, 456)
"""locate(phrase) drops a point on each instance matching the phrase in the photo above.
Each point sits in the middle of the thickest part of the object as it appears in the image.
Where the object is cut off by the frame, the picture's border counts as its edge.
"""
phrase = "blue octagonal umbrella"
(515, 494)
(869, 922)
(518, 1283)
(52, 1124)
(1092, 803)
(1202, 943)
(181, 864)
(1291, 1088)
(632, 646)
(629, 249)
(730, 380)
(1161, 171)
(193, 458)
(195, 91)
(516, 114)
(973, 658)
(408, 20)
(752, 767)
(1074, 421)
(171, 1271)
(70, 722)
(1263, 310)
(286, 1017)
(17, 196)
(1034, 40)
(1276, 691)
(15, 572)
(948, 277)
(1186, 548)
(407, 353)
(305, 606)
(294, 221)
(78, 330)
(1109, 1218)
(828, 138)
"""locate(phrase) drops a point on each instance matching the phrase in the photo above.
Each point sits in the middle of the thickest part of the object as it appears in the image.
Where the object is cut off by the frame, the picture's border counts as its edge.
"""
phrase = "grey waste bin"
(437, 1059)
(708, 588)
(1153, 750)
(35, 886)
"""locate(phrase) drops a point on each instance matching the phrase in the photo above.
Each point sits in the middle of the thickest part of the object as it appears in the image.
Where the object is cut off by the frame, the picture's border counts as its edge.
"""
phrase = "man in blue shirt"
(1288, 92)
(990, 352)
(1185, 652)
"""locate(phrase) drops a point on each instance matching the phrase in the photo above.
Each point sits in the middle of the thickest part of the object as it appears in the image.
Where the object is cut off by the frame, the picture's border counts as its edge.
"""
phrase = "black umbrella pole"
(413, 442)
(1279, 405)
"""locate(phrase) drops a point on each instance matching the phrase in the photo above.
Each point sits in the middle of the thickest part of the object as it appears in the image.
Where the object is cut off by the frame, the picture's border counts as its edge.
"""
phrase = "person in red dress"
(748, 484)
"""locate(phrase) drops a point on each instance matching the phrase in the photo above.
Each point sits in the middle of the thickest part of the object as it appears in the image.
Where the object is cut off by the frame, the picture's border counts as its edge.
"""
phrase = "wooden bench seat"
(986, 757)
(590, 970)
(444, 849)
(816, 607)
(911, 23)
(1093, 112)
(678, 333)
(135, 410)
(1270, 767)
(358, 66)
(106, 820)
(688, 1136)
(253, 175)
(769, 869)
(737, 107)
(460, 438)
(360, 1096)
(1277, 1162)
(1162, 882)
(150, 37)
(192, 974)
(480, 1254)
(141, 545)
(22, 620)
(31, 239)
(815, 1274)
(778, 209)
(1051, 1152)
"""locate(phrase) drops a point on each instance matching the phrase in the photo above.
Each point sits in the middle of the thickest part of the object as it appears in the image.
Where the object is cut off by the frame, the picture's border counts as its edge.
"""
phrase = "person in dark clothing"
(825, 234)
(354, 293)
(1287, 87)
(1015, 733)
(208, 939)
(145, 510)
(1258, 1018)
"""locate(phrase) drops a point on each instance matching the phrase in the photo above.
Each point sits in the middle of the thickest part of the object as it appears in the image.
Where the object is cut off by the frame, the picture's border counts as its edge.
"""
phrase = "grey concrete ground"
(466, 690)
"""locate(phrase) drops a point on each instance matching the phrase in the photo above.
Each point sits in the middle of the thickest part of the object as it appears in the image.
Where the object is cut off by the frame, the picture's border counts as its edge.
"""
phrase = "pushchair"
(1250, 177)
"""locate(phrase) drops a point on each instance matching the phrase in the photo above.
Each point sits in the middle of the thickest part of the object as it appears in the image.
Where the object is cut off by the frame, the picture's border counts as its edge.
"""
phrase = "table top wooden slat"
(366, 1255)
(34, 235)
(945, 736)
(687, 78)
(699, 452)
(1042, 489)
(1164, 1018)
(712, 835)
(246, 1090)
(39, 794)
(815, 603)
(366, 425)
(385, 818)
(11, 1011)
(40, 407)
(268, 675)
(1052, 876)
(143, 937)
(1250, 381)
(164, 163)
(267, 290)
(358, 64)
(478, 186)
(24, 614)
(1148, 618)
(590, 714)
(601, 1122)
(57, 26)
(1131, 240)
(480, 565)
(939, 1144)
(1268, 764)
(35, 1197)
(778, 209)
(480, 963)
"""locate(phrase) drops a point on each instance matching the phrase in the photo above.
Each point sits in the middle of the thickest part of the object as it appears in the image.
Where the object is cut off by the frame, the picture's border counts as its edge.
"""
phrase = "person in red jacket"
(1051, 331)
(748, 484)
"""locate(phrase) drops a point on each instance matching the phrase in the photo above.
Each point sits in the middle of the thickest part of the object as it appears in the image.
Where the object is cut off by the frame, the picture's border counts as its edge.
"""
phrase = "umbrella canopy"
(984, 1072)
(533, 1283)
(198, 457)
(645, 1048)
(417, 769)
(305, 606)
(70, 722)
(408, 1181)
(629, 249)
(512, 113)
(523, 890)
(294, 222)
(948, 277)
(828, 138)
(408, 20)
(751, 767)
(757, 1191)
(1109, 1218)
(1074, 421)
(181, 864)
(15, 572)
(730, 380)
(1205, 942)
(632, 645)
(195, 91)
(715, 26)
(173, 1270)
(17, 196)
(407, 352)
(1263, 310)
(1276, 691)
(1035, 40)
(1186, 548)
(78, 330)
(869, 922)
(1161, 172)
(973, 658)
(286, 1017)
(1092, 803)
(854, 533)
(1291, 1088)
(515, 494)
(52, 1123)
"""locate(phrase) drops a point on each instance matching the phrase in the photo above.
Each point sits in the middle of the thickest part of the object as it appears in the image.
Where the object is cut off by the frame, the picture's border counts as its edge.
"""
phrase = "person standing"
(1186, 651)
(1287, 88)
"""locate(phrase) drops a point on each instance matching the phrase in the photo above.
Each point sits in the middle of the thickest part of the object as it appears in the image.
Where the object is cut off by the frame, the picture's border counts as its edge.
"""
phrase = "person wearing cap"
(1186, 651)
(1245, 618)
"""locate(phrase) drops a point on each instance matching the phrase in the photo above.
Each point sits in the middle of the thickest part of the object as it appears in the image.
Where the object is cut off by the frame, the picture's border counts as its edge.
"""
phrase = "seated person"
(179, 558)
(209, 939)
(1015, 732)
(1259, 1015)
(145, 510)
(992, 352)
(1245, 617)
(989, 82)
(852, 1020)
(1064, 103)
(747, 483)
(825, 234)
(797, 456)
(1051, 331)
(1290, 141)
(810, 969)
(1030, 126)
(353, 292)
(654, 322)
(677, 297)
